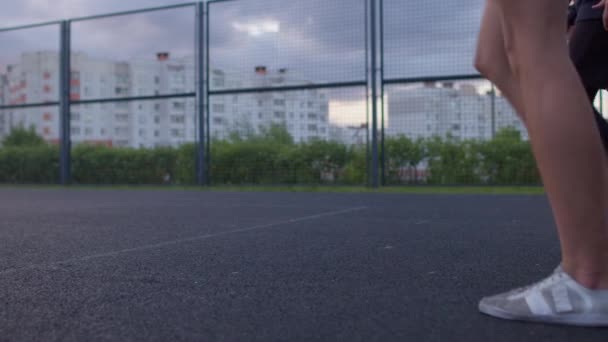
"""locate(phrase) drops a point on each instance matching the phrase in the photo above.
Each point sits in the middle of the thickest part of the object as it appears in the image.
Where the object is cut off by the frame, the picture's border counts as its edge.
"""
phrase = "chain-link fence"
(364, 92)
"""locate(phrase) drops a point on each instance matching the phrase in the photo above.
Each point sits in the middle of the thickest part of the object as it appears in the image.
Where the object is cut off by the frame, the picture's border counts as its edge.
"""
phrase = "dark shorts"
(589, 52)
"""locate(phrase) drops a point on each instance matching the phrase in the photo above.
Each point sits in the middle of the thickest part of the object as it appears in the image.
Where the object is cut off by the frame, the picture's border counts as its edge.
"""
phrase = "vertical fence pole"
(382, 128)
(374, 95)
(64, 104)
(201, 165)
(207, 73)
(367, 100)
(493, 110)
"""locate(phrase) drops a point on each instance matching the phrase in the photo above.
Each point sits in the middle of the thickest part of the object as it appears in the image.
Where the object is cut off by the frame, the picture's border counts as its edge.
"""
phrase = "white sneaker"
(558, 299)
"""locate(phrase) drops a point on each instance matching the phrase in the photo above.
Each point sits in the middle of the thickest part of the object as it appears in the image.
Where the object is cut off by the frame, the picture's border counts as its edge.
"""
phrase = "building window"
(279, 115)
(122, 117)
(218, 121)
(279, 102)
(156, 134)
(312, 116)
(75, 130)
(157, 119)
(88, 131)
(178, 119)
(120, 91)
(312, 128)
(177, 133)
(120, 130)
(47, 117)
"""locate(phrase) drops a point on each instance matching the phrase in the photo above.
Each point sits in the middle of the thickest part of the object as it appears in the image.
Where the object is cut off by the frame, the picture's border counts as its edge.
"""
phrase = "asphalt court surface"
(145, 265)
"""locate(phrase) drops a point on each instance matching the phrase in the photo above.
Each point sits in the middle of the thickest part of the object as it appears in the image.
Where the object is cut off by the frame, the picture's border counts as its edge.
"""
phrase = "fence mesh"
(285, 97)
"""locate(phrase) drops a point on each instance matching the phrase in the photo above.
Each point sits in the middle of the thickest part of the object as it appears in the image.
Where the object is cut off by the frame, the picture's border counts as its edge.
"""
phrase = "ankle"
(591, 278)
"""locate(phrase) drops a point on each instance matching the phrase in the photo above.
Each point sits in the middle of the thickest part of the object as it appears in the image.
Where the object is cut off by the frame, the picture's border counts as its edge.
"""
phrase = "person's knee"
(490, 65)
(482, 62)
(531, 39)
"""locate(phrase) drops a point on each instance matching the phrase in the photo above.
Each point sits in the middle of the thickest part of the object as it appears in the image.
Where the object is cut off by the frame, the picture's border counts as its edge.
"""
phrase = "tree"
(403, 152)
(21, 137)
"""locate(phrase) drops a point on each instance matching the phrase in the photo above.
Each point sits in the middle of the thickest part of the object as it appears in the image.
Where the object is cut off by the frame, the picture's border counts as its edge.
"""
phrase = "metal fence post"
(206, 46)
(374, 77)
(493, 110)
(64, 104)
(382, 93)
(201, 165)
(367, 102)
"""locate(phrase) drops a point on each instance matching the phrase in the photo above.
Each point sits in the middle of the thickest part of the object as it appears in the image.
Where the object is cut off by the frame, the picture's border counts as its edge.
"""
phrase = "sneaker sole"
(595, 321)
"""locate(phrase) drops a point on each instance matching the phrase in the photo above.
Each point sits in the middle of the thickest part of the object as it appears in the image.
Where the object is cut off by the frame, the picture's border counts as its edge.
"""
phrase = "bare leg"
(491, 57)
(565, 141)
(541, 82)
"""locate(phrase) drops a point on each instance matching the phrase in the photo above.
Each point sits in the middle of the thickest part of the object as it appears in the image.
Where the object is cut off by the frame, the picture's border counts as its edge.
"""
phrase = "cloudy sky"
(317, 40)
(321, 39)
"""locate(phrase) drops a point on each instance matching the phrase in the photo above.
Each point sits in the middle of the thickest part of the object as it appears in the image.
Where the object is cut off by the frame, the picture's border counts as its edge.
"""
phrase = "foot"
(558, 299)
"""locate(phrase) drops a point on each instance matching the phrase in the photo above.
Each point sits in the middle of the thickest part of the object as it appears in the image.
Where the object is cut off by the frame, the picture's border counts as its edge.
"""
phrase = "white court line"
(185, 240)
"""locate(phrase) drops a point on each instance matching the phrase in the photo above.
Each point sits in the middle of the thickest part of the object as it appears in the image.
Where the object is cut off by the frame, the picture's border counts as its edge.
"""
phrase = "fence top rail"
(433, 79)
(30, 26)
(132, 98)
(231, 91)
(215, 1)
(28, 105)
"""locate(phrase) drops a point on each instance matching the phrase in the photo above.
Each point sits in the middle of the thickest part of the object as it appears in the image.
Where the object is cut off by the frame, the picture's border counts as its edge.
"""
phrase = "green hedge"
(273, 158)
(29, 164)
(105, 165)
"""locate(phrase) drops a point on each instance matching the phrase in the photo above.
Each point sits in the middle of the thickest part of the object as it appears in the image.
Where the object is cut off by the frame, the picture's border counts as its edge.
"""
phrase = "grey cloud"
(322, 39)
(136, 36)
